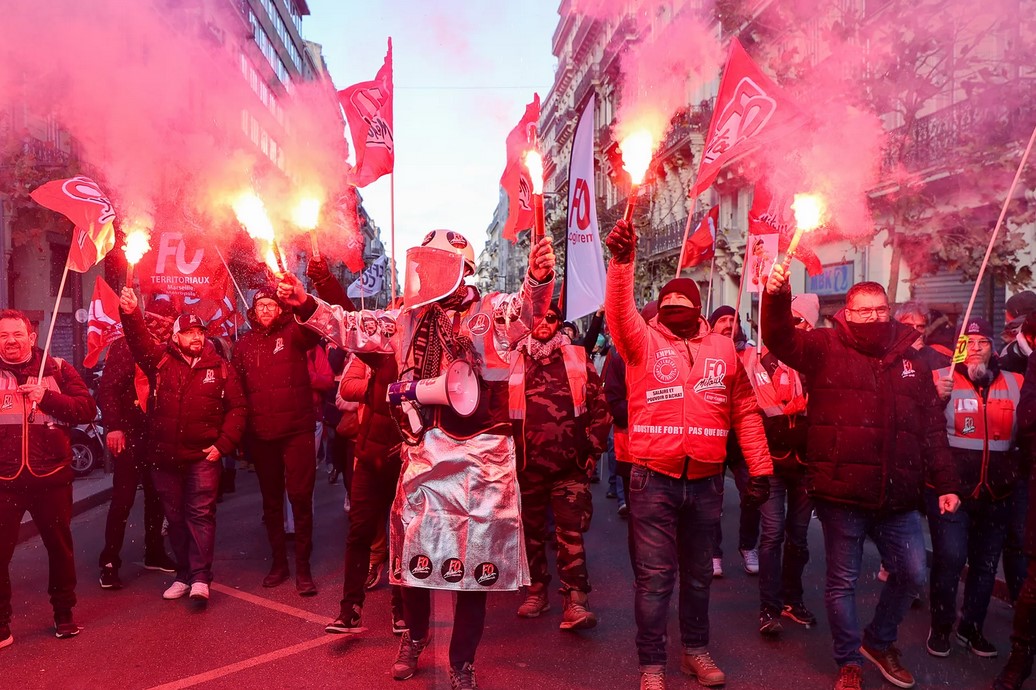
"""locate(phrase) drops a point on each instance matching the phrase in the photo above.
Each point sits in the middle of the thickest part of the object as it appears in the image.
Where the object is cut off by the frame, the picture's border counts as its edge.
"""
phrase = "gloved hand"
(757, 493)
(622, 242)
(317, 270)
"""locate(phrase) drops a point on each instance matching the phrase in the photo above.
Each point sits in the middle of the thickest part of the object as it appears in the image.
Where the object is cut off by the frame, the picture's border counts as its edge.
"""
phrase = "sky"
(464, 71)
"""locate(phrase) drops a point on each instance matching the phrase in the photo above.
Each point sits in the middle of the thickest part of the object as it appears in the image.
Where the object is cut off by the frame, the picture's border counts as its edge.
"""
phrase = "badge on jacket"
(8, 403)
(969, 426)
(210, 376)
(908, 369)
(278, 345)
(715, 372)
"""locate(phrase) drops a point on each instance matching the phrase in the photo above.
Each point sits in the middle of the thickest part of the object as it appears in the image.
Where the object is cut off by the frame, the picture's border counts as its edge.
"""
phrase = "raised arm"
(146, 352)
(799, 349)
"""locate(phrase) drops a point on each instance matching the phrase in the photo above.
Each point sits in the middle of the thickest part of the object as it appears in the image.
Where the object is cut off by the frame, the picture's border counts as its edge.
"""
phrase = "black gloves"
(757, 493)
(622, 242)
(317, 271)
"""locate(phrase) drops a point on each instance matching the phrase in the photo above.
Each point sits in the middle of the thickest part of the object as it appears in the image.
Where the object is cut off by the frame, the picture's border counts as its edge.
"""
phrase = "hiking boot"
(888, 663)
(347, 622)
(701, 666)
(652, 678)
(6, 638)
(850, 677)
(304, 584)
(800, 614)
(535, 602)
(64, 626)
(162, 562)
(938, 643)
(970, 637)
(110, 577)
(576, 615)
(405, 665)
(278, 574)
(200, 591)
(176, 590)
(1017, 670)
(750, 560)
(770, 622)
(463, 678)
(374, 574)
(717, 567)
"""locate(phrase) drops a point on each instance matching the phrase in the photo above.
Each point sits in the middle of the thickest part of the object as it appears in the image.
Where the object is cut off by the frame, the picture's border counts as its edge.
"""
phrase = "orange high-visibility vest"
(785, 396)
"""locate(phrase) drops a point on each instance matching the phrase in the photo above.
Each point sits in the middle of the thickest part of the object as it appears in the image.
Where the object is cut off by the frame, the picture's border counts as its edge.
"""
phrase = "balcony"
(690, 121)
(669, 237)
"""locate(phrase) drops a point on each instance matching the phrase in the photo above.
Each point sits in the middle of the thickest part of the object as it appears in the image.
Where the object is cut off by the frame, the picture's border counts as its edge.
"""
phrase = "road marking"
(222, 671)
(267, 603)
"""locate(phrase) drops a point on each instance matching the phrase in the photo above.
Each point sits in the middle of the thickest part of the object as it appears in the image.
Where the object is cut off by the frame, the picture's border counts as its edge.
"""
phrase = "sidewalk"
(87, 492)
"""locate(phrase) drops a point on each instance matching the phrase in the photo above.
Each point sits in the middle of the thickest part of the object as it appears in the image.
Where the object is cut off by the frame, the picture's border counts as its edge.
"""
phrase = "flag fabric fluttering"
(81, 200)
(701, 245)
(516, 181)
(220, 314)
(368, 110)
(370, 281)
(104, 325)
(772, 213)
(750, 107)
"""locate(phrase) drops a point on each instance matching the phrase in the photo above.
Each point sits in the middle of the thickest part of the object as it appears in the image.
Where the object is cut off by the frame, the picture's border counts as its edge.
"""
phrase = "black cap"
(186, 322)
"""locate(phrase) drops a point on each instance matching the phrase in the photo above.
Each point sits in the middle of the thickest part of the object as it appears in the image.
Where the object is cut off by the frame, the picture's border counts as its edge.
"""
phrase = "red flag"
(749, 106)
(701, 245)
(515, 180)
(368, 110)
(104, 325)
(219, 313)
(183, 265)
(773, 214)
(81, 200)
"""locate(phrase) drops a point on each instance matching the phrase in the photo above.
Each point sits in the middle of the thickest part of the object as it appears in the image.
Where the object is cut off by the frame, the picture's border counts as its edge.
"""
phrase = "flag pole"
(50, 335)
(244, 302)
(741, 289)
(712, 271)
(686, 234)
(392, 227)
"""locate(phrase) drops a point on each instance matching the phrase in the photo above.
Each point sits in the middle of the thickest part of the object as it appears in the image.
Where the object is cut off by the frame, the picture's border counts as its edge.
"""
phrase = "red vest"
(783, 396)
(974, 424)
(680, 401)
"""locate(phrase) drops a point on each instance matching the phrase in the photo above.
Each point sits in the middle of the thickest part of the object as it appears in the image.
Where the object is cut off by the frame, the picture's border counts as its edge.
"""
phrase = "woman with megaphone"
(456, 520)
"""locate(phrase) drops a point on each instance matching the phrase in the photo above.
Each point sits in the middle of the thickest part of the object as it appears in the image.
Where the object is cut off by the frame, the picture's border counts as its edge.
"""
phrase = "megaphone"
(458, 388)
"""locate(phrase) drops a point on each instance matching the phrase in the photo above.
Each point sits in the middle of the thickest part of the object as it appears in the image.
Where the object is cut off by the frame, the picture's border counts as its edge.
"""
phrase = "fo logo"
(479, 324)
(452, 570)
(421, 566)
(486, 574)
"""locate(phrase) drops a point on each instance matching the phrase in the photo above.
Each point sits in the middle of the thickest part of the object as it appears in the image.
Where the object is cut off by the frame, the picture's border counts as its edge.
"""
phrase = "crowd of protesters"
(866, 424)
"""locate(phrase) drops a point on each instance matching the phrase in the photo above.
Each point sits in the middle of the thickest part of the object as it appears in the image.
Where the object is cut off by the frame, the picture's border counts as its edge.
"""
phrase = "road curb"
(28, 529)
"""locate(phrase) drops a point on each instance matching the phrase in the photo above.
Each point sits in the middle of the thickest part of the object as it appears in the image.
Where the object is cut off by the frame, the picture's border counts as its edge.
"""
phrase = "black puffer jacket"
(190, 407)
(272, 365)
(877, 432)
(116, 394)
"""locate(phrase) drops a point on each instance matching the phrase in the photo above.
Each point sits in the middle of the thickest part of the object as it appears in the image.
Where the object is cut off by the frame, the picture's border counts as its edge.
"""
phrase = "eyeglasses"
(982, 344)
(551, 318)
(267, 307)
(867, 312)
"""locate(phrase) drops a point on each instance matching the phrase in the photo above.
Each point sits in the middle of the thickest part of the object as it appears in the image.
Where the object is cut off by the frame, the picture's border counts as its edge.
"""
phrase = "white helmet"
(452, 241)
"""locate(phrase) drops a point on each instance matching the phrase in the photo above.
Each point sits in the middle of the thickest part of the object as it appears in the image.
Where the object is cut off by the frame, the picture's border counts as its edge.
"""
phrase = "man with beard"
(687, 391)
(36, 463)
(122, 396)
(195, 416)
(876, 435)
(981, 418)
(561, 427)
(455, 521)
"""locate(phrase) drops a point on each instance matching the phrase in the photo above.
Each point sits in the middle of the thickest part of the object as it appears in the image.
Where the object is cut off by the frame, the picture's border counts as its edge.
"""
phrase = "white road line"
(273, 605)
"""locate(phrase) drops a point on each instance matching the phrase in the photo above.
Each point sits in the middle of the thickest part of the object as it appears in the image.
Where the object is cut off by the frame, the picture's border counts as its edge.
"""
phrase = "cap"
(1022, 304)
(806, 306)
(186, 322)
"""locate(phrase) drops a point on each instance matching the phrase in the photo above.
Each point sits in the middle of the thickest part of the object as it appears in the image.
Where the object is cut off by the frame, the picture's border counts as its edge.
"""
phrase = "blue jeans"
(974, 534)
(748, 525)
(781, 582)
(900, 542)
(673, 523)
(189, 500)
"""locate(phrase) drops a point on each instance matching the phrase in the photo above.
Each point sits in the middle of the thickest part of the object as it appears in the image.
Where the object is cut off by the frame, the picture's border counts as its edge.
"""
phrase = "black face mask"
(872, 338)
(682, 321)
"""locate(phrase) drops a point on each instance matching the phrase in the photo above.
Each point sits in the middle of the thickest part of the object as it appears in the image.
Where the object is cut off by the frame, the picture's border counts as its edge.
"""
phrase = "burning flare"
(251, 213)
(534, 162)
(809, 211)
(307, 213)
(138, 243)
(636, 154)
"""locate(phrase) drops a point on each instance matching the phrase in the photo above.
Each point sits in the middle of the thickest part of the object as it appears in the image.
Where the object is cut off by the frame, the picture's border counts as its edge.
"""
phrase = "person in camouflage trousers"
(561, 427)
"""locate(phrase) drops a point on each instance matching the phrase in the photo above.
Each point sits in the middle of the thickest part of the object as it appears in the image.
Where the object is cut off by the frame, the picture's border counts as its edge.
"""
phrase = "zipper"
(983, 400)
(690, 358)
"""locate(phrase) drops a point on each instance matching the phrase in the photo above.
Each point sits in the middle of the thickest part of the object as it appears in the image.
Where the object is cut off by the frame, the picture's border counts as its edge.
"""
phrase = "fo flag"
(771, 213)
(104, 325)
(370, 281)
(701, 245)
(515, 180)
(81, 200)
(368, 110)
(220, 314)
(184, 267)
(749, 107)
(584, 260)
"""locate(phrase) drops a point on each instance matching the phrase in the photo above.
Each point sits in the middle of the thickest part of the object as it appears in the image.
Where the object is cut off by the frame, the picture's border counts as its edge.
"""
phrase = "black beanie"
(266, 293)
(719, 313)
(684, 286)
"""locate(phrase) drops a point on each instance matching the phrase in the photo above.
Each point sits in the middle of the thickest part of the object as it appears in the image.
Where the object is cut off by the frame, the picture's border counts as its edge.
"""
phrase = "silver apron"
(456, 519)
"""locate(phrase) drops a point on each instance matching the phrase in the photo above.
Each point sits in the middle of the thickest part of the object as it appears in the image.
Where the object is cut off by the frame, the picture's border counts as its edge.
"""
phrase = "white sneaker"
(176, 590)
(717, 567)
(751, 560)
(200, 591)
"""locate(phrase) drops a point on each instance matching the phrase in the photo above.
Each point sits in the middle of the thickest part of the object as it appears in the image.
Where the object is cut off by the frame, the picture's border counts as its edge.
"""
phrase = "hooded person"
(455, 522)
(1014, 355)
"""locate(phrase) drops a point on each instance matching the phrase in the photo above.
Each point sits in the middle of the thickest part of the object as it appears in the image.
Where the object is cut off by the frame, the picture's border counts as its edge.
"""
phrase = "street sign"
(836, 279)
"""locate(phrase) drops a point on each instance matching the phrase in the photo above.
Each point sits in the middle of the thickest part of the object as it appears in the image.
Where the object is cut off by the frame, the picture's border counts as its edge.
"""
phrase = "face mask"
(873, 338)
(682, 321)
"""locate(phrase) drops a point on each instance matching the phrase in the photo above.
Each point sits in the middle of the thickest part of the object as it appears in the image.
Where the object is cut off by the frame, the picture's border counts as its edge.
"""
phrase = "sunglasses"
(551, 318)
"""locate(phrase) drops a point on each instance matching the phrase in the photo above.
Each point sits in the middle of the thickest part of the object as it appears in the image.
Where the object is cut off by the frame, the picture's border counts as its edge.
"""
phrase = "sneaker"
(770, 622)
(611, 494)
(750, 560)
(535, 602)
(6, 638)
(162, 562)
(800, 614)
(938, 643)
(463, 678)
(110, 577)
(717, 567)
(577, 615)
(200, 591)
(176, 590)
(624, 511)
(652, 679)
(970, 637)
(888, 664)
(702, 667)
(346, 623)
(374, 575)
(406, 660)
(850, 677)
(64, 627)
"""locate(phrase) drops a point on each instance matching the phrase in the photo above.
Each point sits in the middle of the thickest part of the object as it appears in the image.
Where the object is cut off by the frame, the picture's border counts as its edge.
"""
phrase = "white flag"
(761, 255)
(370, 281)
(584, 260)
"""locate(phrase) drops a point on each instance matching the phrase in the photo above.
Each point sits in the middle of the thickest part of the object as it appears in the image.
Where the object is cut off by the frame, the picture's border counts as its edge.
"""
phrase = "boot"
(1018, 668)
(577, 616)
(278, 573)
(304, 579)
(535, 601)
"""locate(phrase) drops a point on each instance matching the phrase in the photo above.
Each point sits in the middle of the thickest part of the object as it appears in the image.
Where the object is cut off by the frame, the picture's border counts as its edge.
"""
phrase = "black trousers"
(130, 471)
(287, 463)
(469, 619)
(49, 502)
